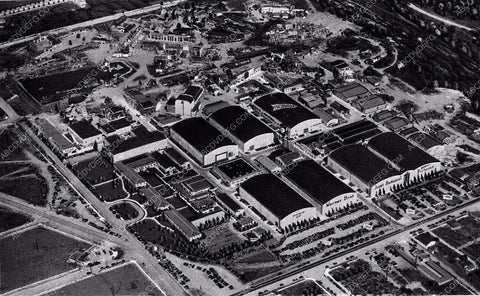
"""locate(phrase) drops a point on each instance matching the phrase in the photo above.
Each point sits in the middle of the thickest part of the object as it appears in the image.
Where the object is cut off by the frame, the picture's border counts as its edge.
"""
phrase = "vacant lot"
(9, 170)
(35, 255)
(123, 281)
(454, 238)
(11, 145)
(33, 190)
(10, 219)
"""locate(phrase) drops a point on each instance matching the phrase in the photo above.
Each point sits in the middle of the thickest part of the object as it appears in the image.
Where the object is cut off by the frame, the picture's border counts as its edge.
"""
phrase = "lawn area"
(303, 288)
(123, 281)
(218, 237)
(35, 255)
(10, 219)
(149, 231)
(263, 256)
(125, 210)
(95, 170)
(30, 189)
(139, 198)
(251, 274)
(111, 191)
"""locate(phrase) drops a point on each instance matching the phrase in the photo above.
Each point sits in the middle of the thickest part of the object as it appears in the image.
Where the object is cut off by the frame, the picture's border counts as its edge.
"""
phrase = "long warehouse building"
(277, 201)
(414, 163)
(203, 141)
(243, 128)
(386, 163)
(324, 189)
(287, 113)
(364, 169)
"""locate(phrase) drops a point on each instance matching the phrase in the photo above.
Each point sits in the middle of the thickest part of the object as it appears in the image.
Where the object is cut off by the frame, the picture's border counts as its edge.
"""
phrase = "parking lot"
(424, 200)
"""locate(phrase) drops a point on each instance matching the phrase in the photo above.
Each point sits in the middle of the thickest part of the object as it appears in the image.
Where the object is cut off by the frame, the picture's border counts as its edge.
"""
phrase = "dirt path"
(43, 167)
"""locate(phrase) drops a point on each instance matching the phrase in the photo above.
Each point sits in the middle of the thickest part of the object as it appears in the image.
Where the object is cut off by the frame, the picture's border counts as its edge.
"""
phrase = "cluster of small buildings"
(295, 32)
(295, 189)
(280, 10)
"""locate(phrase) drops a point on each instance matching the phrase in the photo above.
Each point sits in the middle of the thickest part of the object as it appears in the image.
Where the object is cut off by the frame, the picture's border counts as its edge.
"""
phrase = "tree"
(70, 42)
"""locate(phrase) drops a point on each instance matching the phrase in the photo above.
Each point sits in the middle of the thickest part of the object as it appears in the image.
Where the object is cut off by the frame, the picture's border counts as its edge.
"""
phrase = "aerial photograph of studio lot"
(300, 147)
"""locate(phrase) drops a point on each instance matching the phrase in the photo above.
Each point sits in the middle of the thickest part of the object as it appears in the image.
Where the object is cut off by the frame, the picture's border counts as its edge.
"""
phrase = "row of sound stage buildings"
(305, 189)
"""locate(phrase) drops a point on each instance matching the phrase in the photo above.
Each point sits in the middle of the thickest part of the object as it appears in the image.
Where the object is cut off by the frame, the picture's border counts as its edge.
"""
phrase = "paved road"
(12, 115)
(439, 18)
(144, 258)
(265, 283)
(69, 225)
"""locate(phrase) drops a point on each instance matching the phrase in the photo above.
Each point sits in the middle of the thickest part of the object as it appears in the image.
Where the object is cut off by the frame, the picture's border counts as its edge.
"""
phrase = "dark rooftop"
(246, 125)
(164, 160)
(356, 131)
(176, 156)
(275, 195)
(213, 107)
(194, 91)
(351, 90)
(119, 123)
(142, 137)
(392, 146)
(184, 97)
(315, 180)
(200, 134)
(229, 202)
(187, 228)
(424, 140)
(362, 163)
(84, 129)
(284, 109)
